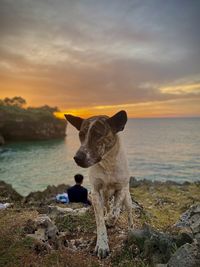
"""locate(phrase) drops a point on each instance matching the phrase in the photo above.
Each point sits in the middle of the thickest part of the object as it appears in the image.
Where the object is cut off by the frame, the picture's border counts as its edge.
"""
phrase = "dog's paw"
(110, 221)
(102, 251)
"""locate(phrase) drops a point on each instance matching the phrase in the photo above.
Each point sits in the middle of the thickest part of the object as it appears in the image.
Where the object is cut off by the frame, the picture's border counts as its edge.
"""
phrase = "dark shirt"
(78, 193)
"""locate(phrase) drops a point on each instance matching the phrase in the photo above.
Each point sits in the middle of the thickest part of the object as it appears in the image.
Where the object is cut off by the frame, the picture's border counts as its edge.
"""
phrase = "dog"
(102, 151)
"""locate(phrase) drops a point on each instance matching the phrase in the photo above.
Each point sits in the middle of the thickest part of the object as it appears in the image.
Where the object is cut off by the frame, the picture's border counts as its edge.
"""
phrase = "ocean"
(157, 149)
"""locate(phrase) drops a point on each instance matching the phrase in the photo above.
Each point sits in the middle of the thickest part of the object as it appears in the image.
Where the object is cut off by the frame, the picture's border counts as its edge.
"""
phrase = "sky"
(92, 57)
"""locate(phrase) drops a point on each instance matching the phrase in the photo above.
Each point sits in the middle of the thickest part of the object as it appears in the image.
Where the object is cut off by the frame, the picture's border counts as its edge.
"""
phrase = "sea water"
(157, 149)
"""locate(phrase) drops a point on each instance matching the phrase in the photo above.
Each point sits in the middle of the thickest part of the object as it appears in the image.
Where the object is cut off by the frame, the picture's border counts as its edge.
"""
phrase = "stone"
(196, 208)
(42, 229)
(190, 220)
(183, 238)
(187, 255)
(158, 247)
(195, 223)
(44, 222)
(155, 246)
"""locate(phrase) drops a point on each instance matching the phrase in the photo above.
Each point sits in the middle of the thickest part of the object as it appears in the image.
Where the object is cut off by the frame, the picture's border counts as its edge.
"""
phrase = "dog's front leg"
(102, 248)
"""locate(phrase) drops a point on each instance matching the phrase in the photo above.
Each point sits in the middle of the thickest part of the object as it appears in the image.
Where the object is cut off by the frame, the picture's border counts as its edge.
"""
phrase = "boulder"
(187, 255)
(158, 247)
(155, 246)
(190, 221)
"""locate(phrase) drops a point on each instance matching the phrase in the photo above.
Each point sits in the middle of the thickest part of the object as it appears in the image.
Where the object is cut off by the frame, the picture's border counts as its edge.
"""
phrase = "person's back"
(78, 193)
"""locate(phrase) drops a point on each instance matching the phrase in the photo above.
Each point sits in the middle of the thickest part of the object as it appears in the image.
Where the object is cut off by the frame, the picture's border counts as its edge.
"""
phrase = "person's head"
(78, 178)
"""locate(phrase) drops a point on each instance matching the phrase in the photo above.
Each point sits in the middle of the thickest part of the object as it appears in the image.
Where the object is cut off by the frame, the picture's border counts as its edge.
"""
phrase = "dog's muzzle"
(82, 160)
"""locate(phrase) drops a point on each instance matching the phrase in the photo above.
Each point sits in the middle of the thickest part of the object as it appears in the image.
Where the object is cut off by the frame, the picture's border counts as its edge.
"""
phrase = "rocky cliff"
(18, 124)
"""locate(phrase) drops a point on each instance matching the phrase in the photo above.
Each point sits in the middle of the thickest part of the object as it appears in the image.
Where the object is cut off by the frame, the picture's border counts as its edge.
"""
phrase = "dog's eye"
(98, 135)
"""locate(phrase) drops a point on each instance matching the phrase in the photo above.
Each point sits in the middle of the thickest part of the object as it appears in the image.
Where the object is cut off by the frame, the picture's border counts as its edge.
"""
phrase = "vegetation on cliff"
(18, 123)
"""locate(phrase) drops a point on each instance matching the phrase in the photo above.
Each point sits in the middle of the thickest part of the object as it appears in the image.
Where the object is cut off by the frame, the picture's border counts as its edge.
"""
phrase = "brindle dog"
(102, 151)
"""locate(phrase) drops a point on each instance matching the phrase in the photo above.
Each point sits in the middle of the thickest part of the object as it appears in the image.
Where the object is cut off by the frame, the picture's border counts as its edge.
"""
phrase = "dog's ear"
(118, 121)
(75, 121)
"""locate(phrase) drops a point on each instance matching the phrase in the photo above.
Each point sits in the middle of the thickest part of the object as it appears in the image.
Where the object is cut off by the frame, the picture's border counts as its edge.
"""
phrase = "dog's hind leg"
(106, 203)
(128, 205)
(102, 248)
(113, 215)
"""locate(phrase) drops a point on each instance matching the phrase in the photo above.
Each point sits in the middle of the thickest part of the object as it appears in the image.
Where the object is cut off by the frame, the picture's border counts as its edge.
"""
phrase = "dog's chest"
(112, 171)
(114, 178)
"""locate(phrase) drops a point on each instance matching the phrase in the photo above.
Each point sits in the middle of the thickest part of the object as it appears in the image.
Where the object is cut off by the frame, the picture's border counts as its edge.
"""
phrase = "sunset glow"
(172, 108)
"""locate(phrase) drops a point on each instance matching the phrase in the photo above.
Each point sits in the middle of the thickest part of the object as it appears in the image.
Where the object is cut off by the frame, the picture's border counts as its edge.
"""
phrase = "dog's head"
(97, 136)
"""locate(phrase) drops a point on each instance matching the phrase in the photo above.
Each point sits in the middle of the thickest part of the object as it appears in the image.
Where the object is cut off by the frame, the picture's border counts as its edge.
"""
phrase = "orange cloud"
(181, 89)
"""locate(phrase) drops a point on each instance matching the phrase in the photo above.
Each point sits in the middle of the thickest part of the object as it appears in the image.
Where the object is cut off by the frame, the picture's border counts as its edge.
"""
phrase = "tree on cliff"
(16, 101)
(44, 108)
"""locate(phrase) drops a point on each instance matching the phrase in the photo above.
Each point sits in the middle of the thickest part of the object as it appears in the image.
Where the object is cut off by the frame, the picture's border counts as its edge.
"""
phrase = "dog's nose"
(80, 157)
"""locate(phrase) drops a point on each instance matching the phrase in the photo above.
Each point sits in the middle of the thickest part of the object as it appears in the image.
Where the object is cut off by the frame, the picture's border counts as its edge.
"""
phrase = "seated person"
(78, 193)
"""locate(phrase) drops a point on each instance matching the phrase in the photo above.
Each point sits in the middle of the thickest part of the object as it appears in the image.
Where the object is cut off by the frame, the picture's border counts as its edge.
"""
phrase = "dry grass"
(165, 203)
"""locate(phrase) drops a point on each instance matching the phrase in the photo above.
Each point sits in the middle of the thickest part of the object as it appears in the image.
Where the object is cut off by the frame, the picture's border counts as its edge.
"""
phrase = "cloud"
(182, 89)
(99, 53)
